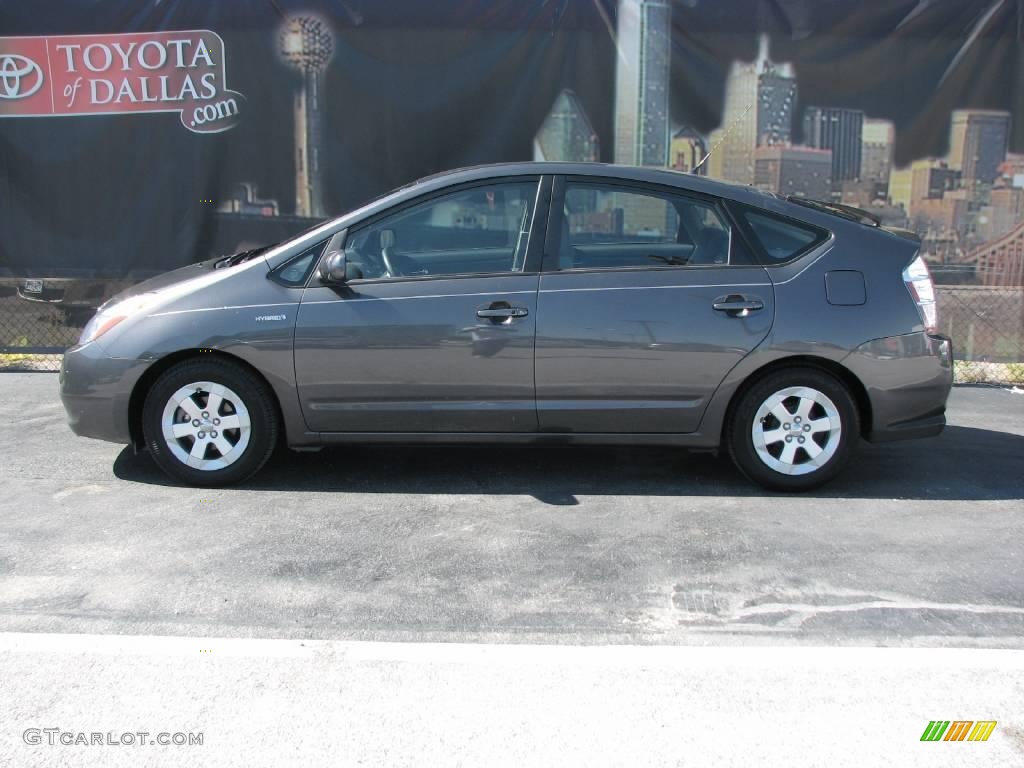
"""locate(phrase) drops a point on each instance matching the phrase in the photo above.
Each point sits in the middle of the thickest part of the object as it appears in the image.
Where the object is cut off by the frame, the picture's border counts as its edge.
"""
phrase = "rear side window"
(782, 239)
(605, 226)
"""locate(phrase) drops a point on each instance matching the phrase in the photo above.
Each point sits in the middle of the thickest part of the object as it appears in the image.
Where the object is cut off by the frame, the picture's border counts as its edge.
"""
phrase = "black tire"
(739, 429)
(255, 395)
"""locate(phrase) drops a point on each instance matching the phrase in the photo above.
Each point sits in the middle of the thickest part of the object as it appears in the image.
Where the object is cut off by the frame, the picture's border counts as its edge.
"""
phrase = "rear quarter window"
(781, 239)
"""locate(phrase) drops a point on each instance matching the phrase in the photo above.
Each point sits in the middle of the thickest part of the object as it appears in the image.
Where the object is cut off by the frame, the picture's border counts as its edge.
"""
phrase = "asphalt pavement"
(512, 605)
(917, 543)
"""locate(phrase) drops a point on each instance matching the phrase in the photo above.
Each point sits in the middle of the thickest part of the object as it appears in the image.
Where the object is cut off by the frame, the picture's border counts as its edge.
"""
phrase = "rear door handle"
(737, 305)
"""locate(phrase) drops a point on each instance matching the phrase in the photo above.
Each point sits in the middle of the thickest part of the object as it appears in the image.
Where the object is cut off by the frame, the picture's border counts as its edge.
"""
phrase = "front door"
(434, 332)
(646, 302)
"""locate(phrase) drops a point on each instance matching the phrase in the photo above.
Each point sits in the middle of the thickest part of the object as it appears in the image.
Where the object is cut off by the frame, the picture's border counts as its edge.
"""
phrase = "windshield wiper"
(240, 257)
(838, 209)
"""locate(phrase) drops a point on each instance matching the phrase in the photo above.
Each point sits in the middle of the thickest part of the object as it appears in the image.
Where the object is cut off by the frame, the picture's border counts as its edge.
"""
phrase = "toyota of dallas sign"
(179, 72)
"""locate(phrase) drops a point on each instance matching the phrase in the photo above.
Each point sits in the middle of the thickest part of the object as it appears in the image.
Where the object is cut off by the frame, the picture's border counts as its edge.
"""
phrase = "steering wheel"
(398, 265)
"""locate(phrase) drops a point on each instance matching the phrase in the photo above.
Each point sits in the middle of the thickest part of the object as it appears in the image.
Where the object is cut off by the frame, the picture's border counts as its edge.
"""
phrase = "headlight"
(110, 316)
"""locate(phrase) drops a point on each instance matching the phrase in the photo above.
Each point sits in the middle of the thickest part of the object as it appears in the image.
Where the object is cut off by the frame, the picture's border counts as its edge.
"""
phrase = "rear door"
(648, 298)
(435, 330)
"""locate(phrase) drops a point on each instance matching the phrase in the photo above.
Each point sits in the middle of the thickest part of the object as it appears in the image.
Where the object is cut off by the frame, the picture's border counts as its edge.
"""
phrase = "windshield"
(317, 232)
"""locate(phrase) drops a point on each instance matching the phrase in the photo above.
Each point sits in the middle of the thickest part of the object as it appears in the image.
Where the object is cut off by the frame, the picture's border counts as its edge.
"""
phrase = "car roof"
(741, 193)
(648, 174)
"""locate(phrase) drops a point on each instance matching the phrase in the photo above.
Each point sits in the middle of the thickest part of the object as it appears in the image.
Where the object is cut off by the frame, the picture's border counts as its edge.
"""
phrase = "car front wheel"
(210, 422)
(794, 429)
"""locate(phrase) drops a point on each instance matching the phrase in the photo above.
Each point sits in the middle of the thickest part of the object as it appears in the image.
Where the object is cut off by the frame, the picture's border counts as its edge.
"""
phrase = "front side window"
(604, 226)
(481, 229)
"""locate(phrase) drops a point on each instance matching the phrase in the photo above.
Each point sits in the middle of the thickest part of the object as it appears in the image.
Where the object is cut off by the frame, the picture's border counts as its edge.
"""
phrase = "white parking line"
(295, 702)
(675, 656)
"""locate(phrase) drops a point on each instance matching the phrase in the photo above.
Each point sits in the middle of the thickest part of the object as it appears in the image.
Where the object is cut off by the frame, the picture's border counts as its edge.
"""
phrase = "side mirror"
(332, 268)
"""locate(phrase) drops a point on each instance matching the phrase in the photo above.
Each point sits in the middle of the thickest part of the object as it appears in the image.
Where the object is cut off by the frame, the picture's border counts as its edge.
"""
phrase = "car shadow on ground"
(963, 463)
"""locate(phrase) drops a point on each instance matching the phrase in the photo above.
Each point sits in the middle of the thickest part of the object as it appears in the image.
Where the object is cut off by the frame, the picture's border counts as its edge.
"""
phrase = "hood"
(180, 281)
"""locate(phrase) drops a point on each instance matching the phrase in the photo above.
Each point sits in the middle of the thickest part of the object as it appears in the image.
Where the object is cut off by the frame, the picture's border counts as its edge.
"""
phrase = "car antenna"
(725, 133)
(761, 60)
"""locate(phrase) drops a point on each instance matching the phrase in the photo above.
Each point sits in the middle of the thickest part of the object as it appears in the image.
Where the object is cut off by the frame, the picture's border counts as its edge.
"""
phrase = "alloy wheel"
(796, 430)
(206, 425)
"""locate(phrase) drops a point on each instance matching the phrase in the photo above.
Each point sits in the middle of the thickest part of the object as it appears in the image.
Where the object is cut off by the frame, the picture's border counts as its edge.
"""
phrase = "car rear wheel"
(794, 429)
(210, 422)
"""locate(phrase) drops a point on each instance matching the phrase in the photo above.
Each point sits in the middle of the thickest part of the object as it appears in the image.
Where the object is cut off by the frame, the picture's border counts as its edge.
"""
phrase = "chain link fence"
(987, 328)
(35, 328)
(986, 325)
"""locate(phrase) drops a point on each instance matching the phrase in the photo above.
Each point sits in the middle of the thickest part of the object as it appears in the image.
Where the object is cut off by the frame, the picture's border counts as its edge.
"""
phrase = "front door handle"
(736, 305)
(502, 313)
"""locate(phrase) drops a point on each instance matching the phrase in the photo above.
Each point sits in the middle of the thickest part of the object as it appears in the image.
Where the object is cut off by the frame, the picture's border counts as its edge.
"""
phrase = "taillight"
(919, 283)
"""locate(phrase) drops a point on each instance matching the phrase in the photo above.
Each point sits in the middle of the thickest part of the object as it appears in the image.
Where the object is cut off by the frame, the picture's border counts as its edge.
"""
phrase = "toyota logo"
(20, 77)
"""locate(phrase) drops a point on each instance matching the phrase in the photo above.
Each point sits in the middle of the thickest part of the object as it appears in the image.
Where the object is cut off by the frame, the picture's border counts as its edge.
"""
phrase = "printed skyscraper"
(878, 139)
(759, 100)
(688, 150)
(642, 129)
(566, 133)
(978, 144)
(840, 130)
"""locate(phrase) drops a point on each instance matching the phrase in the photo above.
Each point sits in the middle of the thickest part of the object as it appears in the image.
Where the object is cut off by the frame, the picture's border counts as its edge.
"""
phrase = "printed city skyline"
(968, 206)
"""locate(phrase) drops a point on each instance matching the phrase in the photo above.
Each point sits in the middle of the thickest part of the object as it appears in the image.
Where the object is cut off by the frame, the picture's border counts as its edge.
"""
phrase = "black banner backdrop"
(295, 111)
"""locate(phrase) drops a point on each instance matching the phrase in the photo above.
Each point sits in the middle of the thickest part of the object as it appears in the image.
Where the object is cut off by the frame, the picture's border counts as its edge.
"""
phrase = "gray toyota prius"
(531, 302)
